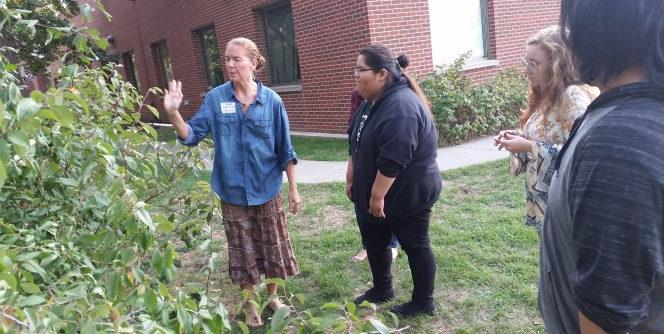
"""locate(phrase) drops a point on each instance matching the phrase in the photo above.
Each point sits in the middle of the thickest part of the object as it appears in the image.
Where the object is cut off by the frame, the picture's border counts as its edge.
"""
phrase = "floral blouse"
(548, 137)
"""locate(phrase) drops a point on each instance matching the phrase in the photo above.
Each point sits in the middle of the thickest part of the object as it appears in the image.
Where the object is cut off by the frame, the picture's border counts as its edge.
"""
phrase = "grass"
(307, 148)
(320, 149)
(486, 257)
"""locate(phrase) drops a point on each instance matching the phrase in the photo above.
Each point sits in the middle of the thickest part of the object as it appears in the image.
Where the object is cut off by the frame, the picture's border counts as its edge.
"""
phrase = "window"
(212, 65)
(279, 40)
(131, 74)
(163, 62)
(458, 27)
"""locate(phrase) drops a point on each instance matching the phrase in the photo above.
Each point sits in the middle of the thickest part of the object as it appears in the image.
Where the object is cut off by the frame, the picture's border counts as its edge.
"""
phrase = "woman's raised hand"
(173, 96)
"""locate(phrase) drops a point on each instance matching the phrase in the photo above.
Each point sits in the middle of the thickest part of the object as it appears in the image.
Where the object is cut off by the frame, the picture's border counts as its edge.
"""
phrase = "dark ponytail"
(379, 57)
(403, 62)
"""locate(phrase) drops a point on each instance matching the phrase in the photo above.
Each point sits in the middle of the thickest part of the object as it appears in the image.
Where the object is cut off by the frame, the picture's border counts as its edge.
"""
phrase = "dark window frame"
(486, 28)
(162, 71)
(131, 73)
(292, 76)
(211, 80)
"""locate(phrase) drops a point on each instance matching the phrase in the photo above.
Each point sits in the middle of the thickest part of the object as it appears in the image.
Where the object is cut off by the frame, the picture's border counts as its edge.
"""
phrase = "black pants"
(412, 232)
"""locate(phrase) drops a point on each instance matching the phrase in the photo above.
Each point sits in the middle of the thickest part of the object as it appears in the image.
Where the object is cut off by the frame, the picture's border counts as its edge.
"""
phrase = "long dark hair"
(379, 57)
(608, 37)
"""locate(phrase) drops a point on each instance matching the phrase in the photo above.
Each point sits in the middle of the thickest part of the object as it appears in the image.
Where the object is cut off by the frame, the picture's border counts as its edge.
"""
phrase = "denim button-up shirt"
(251, 149)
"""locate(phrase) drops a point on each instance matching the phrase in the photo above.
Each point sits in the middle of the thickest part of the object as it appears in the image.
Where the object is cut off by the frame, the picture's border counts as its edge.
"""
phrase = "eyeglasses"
(530, 65)
(359, 70)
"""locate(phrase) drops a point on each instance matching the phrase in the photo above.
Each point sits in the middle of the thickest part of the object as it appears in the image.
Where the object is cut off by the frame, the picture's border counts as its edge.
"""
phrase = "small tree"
(40, 32)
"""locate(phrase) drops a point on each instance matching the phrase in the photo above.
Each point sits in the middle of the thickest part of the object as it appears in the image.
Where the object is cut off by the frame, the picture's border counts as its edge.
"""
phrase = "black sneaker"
(374, 296)
(411, 309)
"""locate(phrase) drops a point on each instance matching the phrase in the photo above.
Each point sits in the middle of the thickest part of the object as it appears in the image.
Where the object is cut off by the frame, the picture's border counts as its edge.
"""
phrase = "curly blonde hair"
(560, 74)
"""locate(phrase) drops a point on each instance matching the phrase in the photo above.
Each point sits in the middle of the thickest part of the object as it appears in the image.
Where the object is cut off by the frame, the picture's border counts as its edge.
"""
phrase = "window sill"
(479, 63)
(286, 88)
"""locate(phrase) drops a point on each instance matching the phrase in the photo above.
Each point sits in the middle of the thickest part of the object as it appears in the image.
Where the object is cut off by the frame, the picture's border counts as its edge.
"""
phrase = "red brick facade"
(328, 35)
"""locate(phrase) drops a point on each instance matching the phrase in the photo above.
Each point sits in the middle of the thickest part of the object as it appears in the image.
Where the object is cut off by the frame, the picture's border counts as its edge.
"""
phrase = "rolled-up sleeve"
(618, 217)
(199, 125)
(397, 141)
(284, 147)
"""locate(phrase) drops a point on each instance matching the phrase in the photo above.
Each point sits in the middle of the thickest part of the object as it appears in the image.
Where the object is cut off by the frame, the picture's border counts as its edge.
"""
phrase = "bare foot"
(251, 316)
(275, 304)
(361, 256)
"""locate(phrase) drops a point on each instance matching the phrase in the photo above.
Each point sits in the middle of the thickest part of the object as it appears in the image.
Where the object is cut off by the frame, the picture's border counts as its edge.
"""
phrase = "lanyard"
(364, 117)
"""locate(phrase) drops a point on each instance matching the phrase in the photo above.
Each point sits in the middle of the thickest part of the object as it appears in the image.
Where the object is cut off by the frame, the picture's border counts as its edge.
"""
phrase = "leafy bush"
(466, 111)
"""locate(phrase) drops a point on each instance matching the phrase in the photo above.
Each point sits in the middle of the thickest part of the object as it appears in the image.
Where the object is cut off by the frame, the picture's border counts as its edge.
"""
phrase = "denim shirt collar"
(261, 93)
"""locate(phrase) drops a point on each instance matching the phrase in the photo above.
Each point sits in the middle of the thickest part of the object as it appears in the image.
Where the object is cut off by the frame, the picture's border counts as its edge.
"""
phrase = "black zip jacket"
(397, 136)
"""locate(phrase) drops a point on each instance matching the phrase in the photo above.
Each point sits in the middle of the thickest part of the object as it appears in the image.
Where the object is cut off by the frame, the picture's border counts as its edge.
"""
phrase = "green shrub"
(465, 111)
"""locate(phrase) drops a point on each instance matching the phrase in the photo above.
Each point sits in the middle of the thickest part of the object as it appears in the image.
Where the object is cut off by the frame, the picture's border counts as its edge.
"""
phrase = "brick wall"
(328, 34)
(511, 23)
(403, 26)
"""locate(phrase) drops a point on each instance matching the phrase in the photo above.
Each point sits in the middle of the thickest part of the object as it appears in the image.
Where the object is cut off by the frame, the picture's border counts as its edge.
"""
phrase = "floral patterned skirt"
(258, 242)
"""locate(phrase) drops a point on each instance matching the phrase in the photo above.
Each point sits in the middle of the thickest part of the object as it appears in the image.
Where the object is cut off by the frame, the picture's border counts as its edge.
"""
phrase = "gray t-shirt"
(602, 240)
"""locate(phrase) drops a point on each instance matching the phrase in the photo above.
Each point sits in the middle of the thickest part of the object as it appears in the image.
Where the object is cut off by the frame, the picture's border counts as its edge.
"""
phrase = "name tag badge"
(227, 107)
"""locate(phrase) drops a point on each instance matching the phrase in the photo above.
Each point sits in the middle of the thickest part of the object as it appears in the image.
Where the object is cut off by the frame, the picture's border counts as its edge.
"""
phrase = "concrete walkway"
(463, 155)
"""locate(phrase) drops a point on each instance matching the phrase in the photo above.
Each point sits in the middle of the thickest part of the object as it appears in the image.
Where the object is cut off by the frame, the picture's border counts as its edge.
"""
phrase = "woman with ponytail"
(392, 175)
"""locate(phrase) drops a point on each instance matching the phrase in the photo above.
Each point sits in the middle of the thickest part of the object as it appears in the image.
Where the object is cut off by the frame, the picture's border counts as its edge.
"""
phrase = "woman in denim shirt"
(249, 127)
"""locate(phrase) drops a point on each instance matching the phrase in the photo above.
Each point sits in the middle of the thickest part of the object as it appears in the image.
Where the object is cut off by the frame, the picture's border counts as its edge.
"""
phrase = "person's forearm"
(589, 327)
(349, 171)
(381, 185)
(180, 126)
(290, 174)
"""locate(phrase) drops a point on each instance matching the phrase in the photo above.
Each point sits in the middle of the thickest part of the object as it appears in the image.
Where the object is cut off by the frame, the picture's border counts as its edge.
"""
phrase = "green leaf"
(38, 96)
(30, 288)
(153, 110)
(26, 108)
(143, 215)
(101, 42)
(351, 307)
(81, 44)
(33, 267)
(379, 326)
(163, 224)
(185, 320)
(114, 286)
(68, 182)
(27, 256)
(14, 93)
(150, 299)
(163, 290)
(70, 70)
(3, 171)
(18, 138)
(279, 319)
(30, 301)
(332, 306)
(89, 327)
(63, 115)
(243, 327)
(47, 260)
(10, 279)
(150, 130)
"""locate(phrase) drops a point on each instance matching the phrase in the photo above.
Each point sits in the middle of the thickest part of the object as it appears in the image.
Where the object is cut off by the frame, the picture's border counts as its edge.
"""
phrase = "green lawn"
(486, 257)
(320, 149)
